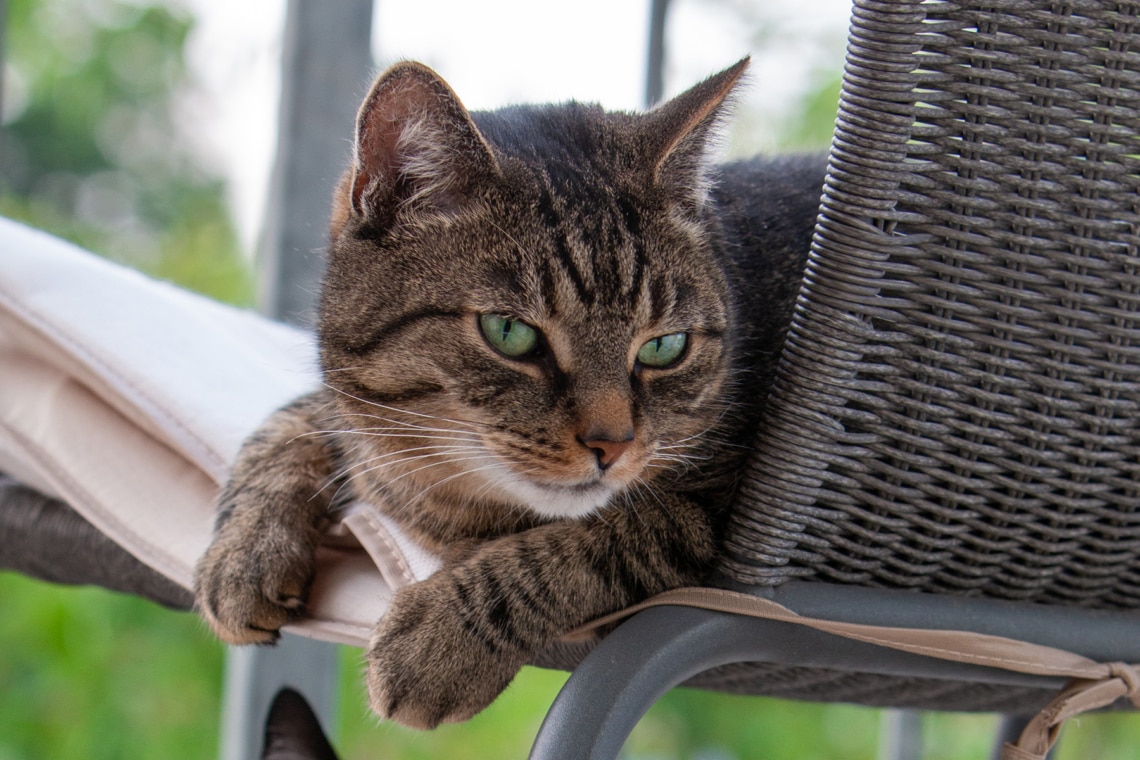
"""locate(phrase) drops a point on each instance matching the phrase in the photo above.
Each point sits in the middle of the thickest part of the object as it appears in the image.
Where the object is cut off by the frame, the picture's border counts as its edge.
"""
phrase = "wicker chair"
(954, 436)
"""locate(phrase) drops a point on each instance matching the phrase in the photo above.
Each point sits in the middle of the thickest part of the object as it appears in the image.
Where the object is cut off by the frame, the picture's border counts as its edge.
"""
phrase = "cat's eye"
(509, 337)
(663, 351)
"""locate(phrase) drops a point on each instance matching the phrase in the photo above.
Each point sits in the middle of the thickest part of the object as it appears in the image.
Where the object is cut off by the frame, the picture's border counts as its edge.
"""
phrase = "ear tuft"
(680, 133)
(416, 145)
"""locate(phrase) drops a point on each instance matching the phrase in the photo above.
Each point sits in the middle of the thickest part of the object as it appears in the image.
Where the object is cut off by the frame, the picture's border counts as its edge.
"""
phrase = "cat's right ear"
(416, 148)
(679, 134)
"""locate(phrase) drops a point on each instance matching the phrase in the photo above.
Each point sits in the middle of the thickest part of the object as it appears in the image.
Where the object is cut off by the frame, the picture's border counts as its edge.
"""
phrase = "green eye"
(508, 336)
(663, 351)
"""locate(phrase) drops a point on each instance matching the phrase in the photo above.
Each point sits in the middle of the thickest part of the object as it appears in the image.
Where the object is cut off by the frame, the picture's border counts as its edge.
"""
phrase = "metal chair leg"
(1009, 731)
(254, 676)
(326, 54)
(901, 732)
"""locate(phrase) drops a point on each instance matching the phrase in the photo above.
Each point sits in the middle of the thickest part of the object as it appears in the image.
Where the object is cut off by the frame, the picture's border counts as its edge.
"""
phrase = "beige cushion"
(127, 398)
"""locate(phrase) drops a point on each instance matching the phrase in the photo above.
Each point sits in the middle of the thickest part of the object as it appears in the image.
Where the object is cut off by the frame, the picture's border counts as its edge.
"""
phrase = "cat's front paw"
(427, 666)
(252, 580)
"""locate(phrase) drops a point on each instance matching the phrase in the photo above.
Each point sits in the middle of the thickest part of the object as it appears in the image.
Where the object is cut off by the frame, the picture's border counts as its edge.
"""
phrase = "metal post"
(325, 73)
(900, 735)
(254, 676)
(3, 28)
(326, 64)
(655, 65)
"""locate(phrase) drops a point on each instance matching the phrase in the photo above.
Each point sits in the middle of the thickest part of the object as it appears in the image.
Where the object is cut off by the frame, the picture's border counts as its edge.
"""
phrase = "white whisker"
(379, 433)
(408, 425)
(439, 483)
(442, 451)
(347, 477)
(397, 410)
(433, 464)
(421, 436)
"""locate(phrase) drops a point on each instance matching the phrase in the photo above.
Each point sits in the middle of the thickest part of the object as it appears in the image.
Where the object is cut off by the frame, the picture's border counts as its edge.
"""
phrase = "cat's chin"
(569, 503)
(561, 502)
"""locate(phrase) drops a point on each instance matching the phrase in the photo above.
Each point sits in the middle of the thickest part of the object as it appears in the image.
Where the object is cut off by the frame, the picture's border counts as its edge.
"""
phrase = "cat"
(546, 334)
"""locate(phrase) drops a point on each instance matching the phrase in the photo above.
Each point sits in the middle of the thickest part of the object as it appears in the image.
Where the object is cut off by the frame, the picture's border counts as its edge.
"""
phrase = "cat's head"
(525, 306)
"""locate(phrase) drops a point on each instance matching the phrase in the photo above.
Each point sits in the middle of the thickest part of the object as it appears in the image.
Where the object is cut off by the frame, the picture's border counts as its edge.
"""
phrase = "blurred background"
(145, 131)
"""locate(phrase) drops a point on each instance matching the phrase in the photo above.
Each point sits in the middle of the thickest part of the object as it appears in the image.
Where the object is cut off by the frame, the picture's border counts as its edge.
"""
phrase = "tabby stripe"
(538, 599)
(213, 602)
(681, 559)
(390, 329)
(632, 220)
(608, 563)
(562, 247)
(226, 512)
(659, 301)
(547, 287)
(628, 577)
(465, 607)
(499, 614)
(392, 398)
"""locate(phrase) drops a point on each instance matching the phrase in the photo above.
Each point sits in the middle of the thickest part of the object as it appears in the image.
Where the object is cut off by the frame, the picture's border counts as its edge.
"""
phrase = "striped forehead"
(596, 252)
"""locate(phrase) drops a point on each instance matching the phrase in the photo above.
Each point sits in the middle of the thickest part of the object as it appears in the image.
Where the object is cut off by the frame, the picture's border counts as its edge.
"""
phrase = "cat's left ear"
(680, 131)
(416, 146)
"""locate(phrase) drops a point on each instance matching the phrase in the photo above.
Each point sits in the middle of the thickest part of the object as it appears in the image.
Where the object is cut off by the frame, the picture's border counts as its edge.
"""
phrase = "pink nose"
(606, 450)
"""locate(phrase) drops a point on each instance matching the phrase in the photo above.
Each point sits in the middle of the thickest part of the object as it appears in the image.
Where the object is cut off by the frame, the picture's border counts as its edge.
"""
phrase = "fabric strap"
(1092, 685)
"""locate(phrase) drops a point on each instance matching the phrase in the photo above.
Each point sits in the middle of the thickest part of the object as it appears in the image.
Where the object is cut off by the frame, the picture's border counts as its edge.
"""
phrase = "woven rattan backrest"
(958, 405)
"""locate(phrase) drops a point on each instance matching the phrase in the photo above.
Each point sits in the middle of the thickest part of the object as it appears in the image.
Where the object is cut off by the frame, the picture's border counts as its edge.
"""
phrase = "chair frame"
(660, 648)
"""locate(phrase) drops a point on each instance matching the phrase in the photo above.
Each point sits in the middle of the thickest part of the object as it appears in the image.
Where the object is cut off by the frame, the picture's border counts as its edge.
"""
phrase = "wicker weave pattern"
(958, 408)
(816, 685)
(821, 685)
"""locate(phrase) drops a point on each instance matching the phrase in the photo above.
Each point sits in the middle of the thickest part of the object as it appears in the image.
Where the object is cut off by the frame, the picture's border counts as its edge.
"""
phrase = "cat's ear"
(679, 133)
(416, 146)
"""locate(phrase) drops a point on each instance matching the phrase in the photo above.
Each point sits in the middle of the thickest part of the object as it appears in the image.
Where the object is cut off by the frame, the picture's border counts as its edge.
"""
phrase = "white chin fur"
(554, 501)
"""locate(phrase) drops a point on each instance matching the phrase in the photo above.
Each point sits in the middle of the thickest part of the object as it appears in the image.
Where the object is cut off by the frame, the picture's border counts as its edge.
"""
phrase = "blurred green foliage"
(811, 125)
(86, 673)
(92, 149)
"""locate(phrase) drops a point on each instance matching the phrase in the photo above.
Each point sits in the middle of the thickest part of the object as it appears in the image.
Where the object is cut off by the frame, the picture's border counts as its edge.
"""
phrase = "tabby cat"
(545, 333)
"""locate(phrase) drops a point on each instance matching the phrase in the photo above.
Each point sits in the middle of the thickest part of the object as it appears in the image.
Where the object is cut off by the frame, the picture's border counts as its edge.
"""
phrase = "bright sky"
(495, 52)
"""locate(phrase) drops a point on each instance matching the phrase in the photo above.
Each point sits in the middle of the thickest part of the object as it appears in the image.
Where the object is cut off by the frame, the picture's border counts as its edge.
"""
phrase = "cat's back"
(770, 202)
(766, 207)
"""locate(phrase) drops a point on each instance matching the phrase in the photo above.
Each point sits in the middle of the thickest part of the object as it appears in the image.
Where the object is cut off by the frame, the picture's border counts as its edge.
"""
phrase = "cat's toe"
(287, 589)
(415, 697)
(402, 705)
(247, 596)
(239, 617)
(426, 667)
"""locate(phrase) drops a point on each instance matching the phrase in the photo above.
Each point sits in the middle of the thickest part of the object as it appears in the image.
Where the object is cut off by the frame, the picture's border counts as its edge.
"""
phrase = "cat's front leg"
(257, 571)
(449, 645)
